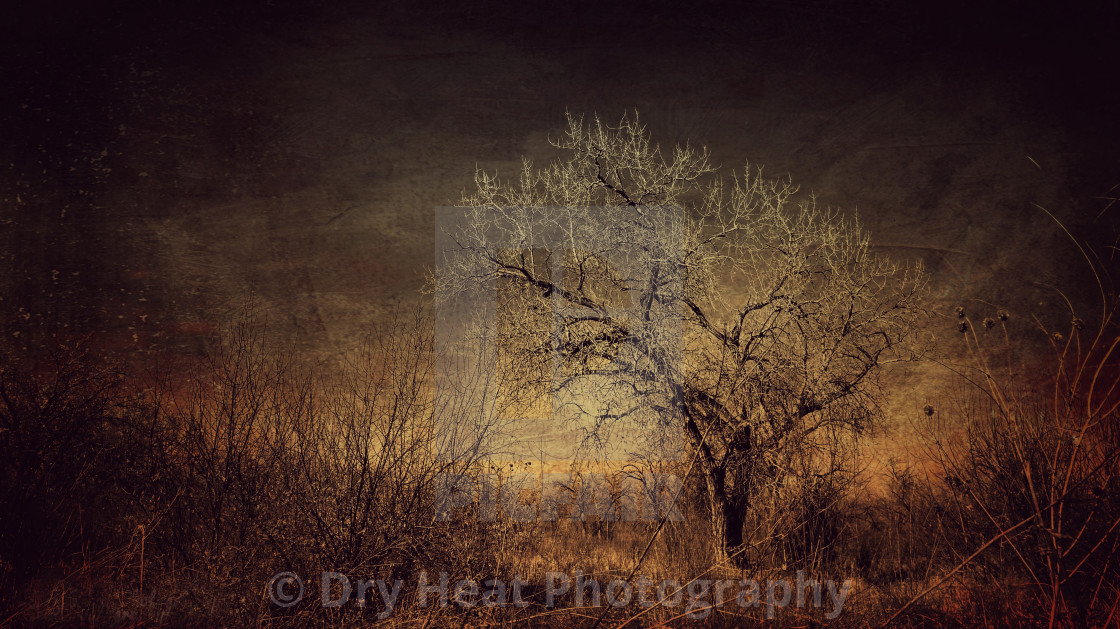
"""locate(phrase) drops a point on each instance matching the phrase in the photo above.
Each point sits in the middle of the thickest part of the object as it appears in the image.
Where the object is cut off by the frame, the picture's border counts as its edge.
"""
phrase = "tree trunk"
(727, 516)
(728, 509)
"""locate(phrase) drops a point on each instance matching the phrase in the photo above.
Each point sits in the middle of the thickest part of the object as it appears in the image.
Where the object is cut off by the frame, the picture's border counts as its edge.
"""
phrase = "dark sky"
(162, 161)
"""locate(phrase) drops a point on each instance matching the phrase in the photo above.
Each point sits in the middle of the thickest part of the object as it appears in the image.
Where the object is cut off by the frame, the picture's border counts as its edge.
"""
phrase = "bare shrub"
(1027, 460)
(180, 495)
(60, 426)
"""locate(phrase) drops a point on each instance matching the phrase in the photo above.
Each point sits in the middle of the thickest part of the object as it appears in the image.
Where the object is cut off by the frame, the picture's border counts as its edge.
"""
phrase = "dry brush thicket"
(174, 497)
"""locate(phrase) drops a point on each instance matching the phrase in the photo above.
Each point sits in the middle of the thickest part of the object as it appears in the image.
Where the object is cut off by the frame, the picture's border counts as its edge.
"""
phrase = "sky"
(163, 163)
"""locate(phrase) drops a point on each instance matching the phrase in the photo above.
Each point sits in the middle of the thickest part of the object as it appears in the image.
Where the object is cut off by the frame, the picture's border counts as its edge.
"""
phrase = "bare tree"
(640, 287)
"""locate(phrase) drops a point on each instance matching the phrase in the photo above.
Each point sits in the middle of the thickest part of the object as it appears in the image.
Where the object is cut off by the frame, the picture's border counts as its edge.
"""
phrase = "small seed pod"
(963, 326)
(1077, 324)
(989, 323)
(960, 312)
(928, 410)
(1003, 315)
